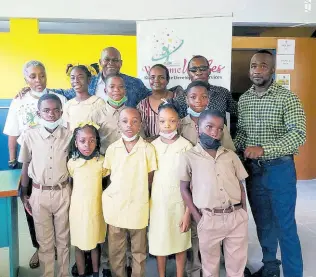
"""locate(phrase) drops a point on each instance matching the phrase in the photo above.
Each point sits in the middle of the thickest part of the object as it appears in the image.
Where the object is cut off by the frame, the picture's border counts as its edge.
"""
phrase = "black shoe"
(74, 270)
(129, 271)
(247, 272)
(106, 273)
(267, 272)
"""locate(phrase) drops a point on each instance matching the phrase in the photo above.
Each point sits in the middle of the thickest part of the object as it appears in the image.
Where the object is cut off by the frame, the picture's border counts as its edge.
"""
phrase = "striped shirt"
(274, 120)
(149, 118)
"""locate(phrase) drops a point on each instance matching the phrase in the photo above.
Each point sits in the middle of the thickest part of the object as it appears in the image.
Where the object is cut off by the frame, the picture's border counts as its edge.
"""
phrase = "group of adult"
(271, 127)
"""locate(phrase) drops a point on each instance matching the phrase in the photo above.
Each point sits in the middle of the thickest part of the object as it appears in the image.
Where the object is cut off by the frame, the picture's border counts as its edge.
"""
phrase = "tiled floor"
(306, 220)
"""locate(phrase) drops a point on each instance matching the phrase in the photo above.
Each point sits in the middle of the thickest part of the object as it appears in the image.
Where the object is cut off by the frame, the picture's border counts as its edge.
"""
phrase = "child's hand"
(185, 223)
(26, 204)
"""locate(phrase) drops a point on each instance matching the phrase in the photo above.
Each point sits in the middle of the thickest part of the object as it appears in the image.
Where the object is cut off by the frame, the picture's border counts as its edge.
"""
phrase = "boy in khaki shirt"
(217, 201)
(130, 162)
(44, 156)
(107, 116)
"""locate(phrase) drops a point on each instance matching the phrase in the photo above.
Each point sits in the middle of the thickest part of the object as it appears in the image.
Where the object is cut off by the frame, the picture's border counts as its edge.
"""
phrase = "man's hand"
(22, 92)
(253, 152)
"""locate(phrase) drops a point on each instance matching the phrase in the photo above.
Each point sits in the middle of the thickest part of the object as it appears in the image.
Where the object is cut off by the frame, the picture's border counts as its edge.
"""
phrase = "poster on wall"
(284, 80)
(173, 42)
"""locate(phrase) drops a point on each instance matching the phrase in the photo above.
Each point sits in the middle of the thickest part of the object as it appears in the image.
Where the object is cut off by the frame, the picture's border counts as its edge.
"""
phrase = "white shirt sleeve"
(11, 127)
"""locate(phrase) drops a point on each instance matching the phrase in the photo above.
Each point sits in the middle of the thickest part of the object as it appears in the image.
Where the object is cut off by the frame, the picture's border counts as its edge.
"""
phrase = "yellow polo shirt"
(126, 200)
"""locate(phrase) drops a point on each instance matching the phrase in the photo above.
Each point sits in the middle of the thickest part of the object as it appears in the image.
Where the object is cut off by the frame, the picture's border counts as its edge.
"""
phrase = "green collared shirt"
(274, 120)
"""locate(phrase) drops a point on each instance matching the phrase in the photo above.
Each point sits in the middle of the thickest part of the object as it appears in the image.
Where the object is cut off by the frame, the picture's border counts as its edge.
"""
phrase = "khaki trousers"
(50, 210)
(232, 229)
(105, 263)
(117, 240)
(193, 265)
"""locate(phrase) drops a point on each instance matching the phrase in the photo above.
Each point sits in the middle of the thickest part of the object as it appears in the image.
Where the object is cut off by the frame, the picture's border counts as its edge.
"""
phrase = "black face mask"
(208, 142)
(95, 153)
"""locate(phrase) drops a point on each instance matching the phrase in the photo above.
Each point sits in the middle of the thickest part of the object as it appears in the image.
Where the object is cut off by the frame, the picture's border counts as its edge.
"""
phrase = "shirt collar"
(100, 79)
(221, 150)
(88, 101)
(188, 121)
(45, 134)
(111, 110)
(140, 144)
(272, 88)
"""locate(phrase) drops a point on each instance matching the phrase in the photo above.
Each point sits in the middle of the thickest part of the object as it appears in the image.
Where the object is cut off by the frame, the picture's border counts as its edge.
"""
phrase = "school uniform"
(126, 203)
(216, 193)
(188, 130)
(79, 111)
(107, 118)
(47, 154)
(167, 207)
(87, 226)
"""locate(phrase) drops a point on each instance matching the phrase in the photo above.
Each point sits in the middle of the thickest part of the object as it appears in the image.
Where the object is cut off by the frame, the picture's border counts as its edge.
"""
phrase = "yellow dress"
(76, 112)
(87, 226)
(166, 204)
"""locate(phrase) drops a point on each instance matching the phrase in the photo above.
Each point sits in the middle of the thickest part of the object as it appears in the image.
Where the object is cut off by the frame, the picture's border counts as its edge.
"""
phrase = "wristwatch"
(12, 163)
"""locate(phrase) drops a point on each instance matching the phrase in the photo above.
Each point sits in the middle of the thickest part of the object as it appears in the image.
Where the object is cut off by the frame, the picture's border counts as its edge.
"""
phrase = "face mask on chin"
(38, 93)
(169, 136)
(128, 139)
(50, 125)
(117, 103)
(193, 113)
(208, 142)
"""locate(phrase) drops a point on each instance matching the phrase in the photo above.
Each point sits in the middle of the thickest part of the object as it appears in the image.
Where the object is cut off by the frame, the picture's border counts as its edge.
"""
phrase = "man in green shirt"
(271, 127)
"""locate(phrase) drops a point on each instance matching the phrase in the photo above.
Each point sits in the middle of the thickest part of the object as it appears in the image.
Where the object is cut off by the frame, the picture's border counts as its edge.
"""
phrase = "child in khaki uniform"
(107, 116)
(197, 99)
(44, 156)
(130, 162)
(79, 108)
(218, 200)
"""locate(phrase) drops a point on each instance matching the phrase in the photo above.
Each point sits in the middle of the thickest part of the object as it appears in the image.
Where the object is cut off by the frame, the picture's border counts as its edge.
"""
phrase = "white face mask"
(169, 136)
(38, 93)
(128, 139)
(50, 125)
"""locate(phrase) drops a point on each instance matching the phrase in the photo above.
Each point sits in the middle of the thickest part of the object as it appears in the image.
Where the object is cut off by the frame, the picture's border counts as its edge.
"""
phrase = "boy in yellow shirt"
(130, 162)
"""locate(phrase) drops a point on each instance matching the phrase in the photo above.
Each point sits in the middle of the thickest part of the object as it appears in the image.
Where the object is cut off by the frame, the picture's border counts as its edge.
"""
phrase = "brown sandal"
(34, 261)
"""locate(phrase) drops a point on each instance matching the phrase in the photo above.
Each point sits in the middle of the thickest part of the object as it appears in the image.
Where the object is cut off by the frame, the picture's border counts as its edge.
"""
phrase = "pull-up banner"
(173, 42)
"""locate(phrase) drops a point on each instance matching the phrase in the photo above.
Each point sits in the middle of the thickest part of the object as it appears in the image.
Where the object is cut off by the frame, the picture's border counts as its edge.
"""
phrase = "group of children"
(189, 194)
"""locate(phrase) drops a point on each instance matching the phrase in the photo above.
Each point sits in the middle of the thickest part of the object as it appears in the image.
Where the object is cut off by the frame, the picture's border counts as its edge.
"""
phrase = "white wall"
(244, 11)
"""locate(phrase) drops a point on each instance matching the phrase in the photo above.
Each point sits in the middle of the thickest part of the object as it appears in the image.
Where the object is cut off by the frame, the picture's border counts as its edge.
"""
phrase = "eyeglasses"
(198, 68)
(108, 60)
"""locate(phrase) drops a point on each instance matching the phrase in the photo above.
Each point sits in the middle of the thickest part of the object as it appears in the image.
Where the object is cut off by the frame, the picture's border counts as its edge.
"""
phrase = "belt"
(56, 187)
(228, 210)
(271, 162)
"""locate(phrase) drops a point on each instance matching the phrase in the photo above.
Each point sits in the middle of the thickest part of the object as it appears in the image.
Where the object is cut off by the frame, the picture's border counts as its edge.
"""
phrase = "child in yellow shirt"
(130, 162)
(87, 226)
(79, 108)
(169, 218)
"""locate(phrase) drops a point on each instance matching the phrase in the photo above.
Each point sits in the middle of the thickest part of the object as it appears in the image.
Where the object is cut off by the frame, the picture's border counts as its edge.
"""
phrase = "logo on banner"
(164, 45)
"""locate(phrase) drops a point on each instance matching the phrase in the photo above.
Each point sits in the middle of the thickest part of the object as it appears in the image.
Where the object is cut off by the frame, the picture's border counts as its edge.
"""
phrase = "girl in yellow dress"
(169, 219)
(79, 108)
(87, 226)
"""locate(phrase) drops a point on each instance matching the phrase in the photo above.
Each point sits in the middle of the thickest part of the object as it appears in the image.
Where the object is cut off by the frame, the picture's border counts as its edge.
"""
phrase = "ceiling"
(128, 28)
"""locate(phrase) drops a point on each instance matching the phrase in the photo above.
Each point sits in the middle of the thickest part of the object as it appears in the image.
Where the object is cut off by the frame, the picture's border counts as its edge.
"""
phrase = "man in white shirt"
(23, 115)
